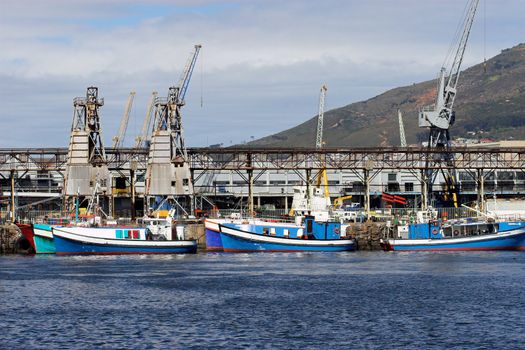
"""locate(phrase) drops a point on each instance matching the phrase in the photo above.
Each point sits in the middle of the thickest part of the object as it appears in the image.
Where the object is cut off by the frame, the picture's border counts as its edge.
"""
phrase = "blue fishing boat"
(276, 237)
(117, 240)
(473, 235)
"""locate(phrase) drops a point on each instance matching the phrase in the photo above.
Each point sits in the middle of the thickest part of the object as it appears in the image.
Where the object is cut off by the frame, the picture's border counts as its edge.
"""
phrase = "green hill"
(490, 102)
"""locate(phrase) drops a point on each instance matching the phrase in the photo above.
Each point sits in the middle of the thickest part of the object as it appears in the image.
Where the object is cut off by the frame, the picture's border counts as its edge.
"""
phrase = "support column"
(424, 190)
(132, 188)
(366, 177)
(192, 195)
(110, 198)
(308, 180)
(250, 192)
(286, 204)
(481, 191)
(12, 195)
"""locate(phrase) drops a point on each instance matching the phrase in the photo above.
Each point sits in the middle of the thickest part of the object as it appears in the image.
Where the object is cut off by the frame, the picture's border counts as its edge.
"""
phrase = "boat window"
(265, 231)
(119, 234)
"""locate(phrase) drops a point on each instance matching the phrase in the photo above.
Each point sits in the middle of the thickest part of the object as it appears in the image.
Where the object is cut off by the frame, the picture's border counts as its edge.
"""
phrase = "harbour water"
(358, 300)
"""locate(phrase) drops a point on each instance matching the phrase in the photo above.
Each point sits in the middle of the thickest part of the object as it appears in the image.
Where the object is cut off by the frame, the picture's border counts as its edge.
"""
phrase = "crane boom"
(185, 78)
(119, 139)
(402, 136)
(441, 114)
(323, 176)
(320, 117)
(144, 134)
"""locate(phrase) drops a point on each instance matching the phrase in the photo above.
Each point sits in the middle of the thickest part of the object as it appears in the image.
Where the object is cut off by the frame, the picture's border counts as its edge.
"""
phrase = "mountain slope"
(491, 99)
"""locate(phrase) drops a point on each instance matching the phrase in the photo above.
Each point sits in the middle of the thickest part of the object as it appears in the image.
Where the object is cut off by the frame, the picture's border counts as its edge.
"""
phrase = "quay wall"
(12, 241)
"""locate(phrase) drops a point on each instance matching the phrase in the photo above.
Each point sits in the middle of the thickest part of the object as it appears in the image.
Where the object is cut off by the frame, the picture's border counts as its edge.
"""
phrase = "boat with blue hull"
(94, 241)
(275, 237)
(483, 235)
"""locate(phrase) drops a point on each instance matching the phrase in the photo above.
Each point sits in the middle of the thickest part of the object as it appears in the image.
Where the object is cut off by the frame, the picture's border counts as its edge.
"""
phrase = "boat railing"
(32, 216)
(273, 215)
(409, 215)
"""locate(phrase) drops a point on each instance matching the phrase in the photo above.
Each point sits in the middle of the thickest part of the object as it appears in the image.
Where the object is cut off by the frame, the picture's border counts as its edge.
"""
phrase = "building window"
(409, 187)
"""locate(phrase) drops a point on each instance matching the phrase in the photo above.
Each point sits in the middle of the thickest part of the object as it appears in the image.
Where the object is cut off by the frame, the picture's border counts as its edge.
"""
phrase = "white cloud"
(263, 60)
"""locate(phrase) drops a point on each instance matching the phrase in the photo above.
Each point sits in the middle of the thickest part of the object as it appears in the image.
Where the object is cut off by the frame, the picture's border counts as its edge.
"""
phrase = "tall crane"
(168, 173)
(118, 140)
(440, 116)
(168, 114)
(144, 136)
(323, 176)
(402, 136)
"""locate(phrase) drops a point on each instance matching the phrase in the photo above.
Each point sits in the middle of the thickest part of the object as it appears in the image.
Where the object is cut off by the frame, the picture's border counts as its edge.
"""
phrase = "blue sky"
(260, 68)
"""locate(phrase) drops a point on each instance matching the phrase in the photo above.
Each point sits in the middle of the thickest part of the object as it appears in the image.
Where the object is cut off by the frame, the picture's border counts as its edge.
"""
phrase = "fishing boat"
(155, 236)
(281, 237)
(460, 235)
(117, 240)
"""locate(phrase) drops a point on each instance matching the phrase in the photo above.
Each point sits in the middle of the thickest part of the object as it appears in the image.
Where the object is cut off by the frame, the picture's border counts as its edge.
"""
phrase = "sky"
(259, 72)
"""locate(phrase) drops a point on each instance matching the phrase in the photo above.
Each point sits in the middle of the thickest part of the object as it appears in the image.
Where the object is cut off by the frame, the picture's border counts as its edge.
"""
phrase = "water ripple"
(308, 300)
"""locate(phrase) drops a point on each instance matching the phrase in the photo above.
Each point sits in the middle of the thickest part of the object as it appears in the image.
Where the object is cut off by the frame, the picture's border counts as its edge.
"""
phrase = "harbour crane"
(145, 135)
(402, 136)
(118, 140)
(168, 174)
(323, 176)
(168, 114)
(440, 116)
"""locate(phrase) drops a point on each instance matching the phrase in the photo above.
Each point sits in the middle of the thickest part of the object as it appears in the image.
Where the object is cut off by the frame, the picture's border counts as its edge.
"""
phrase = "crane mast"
(440, 116)
(119, 139)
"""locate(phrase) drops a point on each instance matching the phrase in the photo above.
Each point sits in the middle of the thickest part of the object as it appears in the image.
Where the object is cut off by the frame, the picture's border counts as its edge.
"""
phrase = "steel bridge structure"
(251, 163)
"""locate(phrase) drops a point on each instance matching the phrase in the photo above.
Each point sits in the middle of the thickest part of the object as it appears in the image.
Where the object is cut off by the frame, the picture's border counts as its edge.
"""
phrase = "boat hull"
(213, 236)
(68, 243)
(43, 238)
(510, 240)
(27, 232)
(235, 240)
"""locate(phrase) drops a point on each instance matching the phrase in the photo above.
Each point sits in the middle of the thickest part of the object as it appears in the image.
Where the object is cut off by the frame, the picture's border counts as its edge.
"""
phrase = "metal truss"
(237, 159)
